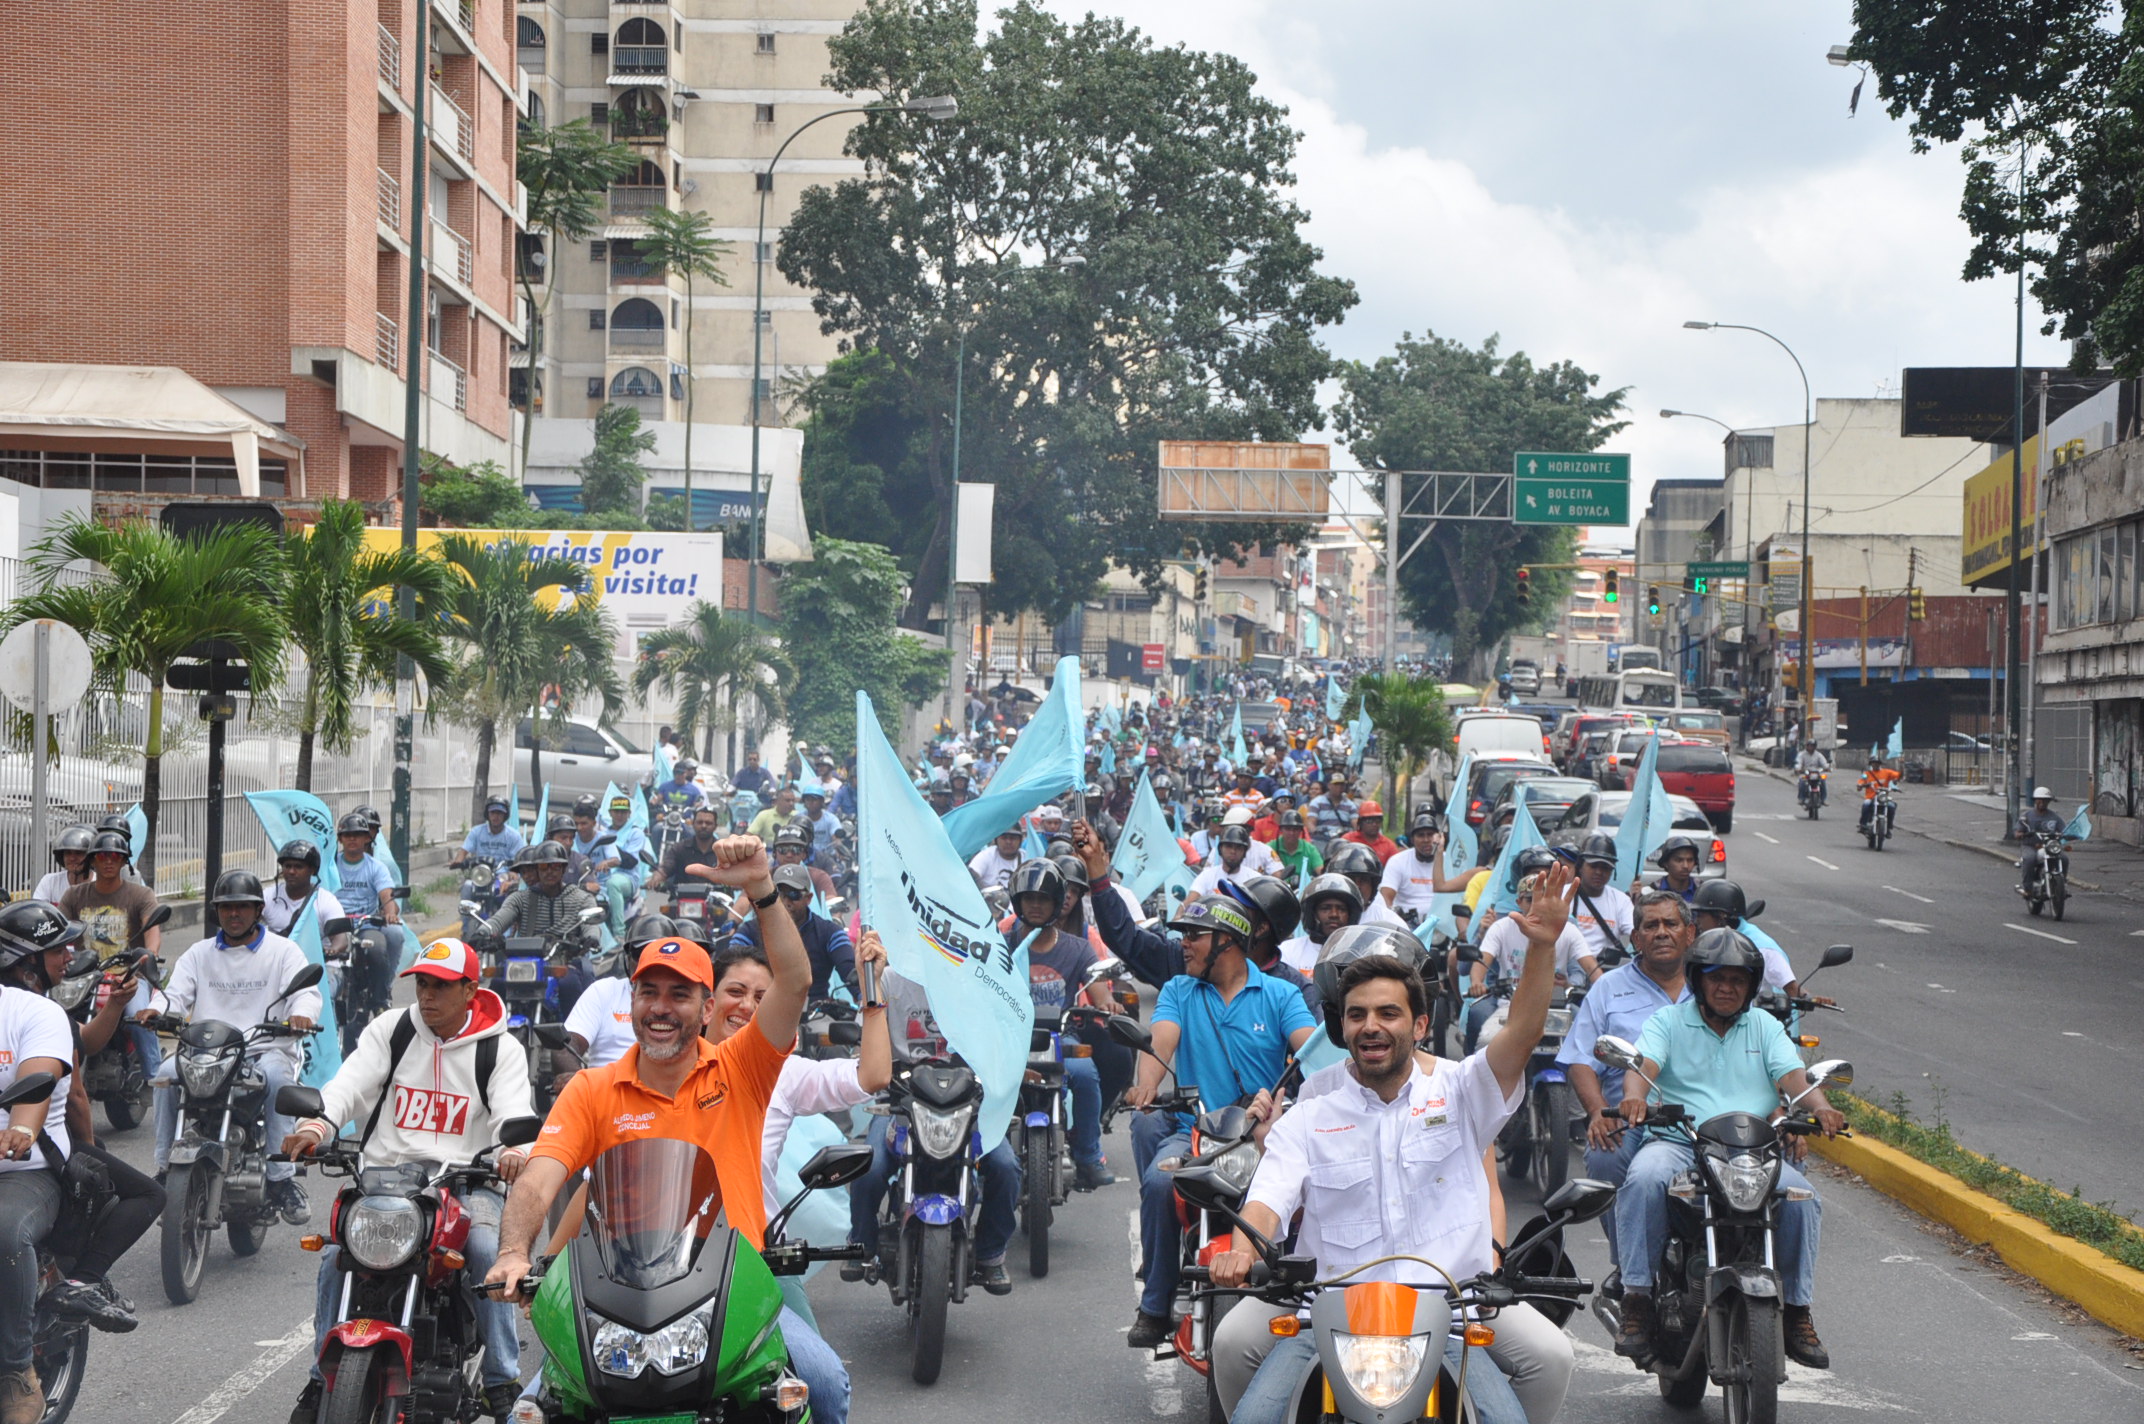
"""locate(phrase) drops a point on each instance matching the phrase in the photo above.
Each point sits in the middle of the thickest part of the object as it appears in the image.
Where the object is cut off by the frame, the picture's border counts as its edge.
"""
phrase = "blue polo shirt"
(362, 881)
(1710, 1074)
(1621, 1003)
(1231, 1050)
(497, 846)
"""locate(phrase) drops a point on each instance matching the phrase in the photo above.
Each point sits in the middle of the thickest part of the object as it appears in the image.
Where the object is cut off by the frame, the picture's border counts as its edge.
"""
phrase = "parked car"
(1702, 772)
(1492, 772)
(1566, 745)
(1547, 798)
(1619, 762)
(1603, 811)
(580, 757)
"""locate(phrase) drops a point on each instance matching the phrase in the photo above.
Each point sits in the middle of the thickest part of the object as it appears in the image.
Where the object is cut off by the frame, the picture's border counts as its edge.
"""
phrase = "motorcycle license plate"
(654, 1419)
(523, 971)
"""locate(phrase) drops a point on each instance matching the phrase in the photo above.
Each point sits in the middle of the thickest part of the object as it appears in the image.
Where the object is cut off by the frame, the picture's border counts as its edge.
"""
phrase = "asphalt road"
(2018, 1031)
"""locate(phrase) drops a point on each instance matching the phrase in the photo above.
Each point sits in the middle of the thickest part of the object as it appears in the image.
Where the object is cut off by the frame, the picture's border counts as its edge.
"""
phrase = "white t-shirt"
(993, 869)
(1377, 912)
(806, 1086)
(54, 885)
(242, 986)
(32, 1026)
(1299, 953)
(1615, 908)
(1504, 947)
(281, 912)
(604, 1016)
(1412, 881)
(1211, 877)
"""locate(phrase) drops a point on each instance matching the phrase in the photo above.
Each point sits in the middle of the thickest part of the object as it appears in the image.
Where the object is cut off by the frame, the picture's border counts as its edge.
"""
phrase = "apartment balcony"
(632, 200)
(451, 128)
(390, 201)
(448, 382)
(452, 253)
(640, 59)
(532, 59)
(390, 59)
(639, 339)
(386, 341)
(631, 271)
(629, 126)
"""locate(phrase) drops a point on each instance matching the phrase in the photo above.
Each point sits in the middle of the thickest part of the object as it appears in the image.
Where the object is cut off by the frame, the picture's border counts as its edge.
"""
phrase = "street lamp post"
(1749, 505)
(1808, 633)
(414, 350)
(941, 106)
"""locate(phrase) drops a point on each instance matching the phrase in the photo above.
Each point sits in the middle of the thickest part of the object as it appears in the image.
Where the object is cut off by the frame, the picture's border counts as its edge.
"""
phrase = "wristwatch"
(768, 903)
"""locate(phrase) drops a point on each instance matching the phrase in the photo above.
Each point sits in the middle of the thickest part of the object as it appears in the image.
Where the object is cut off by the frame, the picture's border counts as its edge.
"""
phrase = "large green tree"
(838, 620)
(2044, 100)
(1102, 246)
(713, 663)
(1436, 404)
(1409, 716)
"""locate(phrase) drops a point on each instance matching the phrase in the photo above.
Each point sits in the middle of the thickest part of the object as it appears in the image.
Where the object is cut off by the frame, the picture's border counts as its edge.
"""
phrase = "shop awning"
(49, 406)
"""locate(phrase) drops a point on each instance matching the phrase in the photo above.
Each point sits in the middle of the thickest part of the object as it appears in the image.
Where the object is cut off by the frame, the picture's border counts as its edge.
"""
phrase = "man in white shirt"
(1390, 1163)
(1231, 849)
(34, 1038)
(995, 863)
(1505, 947)
(1409, 883)
(600, 1027)
(1600, 912)
(297, 886)
(237, 976)
(70, 852)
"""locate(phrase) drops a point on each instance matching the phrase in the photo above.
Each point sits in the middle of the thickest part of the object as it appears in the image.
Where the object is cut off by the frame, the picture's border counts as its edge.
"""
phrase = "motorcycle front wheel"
(62, 1359)
(1036, 1213)
(1552, 1107)
(1757, 1360)
(186, 1230)
(128, 1108)
(247, 1232)
(2058, 889)
(933, 1282)
(359, 1393)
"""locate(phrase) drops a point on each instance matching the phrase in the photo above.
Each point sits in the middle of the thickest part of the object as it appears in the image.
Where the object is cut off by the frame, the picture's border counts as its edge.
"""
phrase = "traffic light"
(1700, 585)
(1526, 587)
(1916, 605)
(1198, 585)
(1652, 600)
(1610, 593)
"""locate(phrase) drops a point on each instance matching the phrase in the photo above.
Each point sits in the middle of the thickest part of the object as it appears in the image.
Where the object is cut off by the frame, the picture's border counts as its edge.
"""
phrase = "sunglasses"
(788, 894)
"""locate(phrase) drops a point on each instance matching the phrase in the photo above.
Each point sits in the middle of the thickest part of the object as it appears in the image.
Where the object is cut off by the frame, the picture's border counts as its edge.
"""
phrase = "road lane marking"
(1905, 926)
(252, 1377)
(2043, 934)
(1134, 1214)
(1825, 863)
(1768, 840)
(1163, 1396)
(1805, 1387)
(1909, 894)
(1941, 990)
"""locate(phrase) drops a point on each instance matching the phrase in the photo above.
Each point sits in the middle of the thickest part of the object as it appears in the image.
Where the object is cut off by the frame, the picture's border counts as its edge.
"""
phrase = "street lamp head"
(1697, 326)
(937, 106)
(1839, 55)
(1669, 414)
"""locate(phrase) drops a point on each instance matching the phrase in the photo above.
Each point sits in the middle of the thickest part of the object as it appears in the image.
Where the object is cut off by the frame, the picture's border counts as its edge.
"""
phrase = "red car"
(1702, 772)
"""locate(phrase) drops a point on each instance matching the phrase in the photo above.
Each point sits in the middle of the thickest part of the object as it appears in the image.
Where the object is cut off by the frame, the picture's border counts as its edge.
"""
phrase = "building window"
(763, 114)
(599, 44)
(595, 388)
(598, 251)
(763, 317)
(595, 319)
(599, 113)
(637, 325)
(1749, 452)
(764, 252)
(766, 42)
(529, 42)
(642, 48)
(766, 181)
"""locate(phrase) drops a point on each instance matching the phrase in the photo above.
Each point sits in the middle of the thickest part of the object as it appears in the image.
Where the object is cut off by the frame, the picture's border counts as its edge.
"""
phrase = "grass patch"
(419, 902)
(2096, 1224)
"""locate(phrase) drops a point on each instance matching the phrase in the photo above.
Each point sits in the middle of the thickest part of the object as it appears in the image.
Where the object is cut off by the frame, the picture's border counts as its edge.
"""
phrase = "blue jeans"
(1084, 1082)
(1613, 1168)
(1160, 1233)
(1273, 1388)
(1641, 1221)
(29, 1203)
(1001, 1181)
(813, 1361)
(146, 1044)
(278, 1072)
(502, 1343)
(1149, 1130)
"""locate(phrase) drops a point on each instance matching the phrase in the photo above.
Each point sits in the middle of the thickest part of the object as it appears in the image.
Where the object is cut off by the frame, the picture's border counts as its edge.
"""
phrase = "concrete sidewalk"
(1972, 820)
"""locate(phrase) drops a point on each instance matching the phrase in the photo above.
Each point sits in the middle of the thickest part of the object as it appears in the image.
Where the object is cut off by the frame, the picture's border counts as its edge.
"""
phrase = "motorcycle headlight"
(1236, 1166)
(1559, 1023)
(677, 1347)
(204, 1073)
(381, 1233)
(1745, 1179)
(69, 993)
(1380, 1368)
(941, 1133)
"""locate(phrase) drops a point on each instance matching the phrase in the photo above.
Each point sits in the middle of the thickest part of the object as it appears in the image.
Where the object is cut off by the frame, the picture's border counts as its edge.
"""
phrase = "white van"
(1493, 731)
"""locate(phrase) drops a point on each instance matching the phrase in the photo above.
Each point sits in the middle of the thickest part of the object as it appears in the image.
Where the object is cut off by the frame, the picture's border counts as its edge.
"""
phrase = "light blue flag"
(917, 893)
(1177, 741)
(1047, 761)
(663, 768)
(1358, 736)
(299, 815)
(1462, 847)
(386, 857)
(1648, 819)
(1148, 857)
(1033, 846)
(1335, 699)
(1109, 758)
(138, 831)
(1896, 746)
(1498, 895)
(1239, 755)
(2080, 826)
(639, 817)
(323, 1051)
(1112, 718)
(808, 783)
(543, 813)
(513, 808)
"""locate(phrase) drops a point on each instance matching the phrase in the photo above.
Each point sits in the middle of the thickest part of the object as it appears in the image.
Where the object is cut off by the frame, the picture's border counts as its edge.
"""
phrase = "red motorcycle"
(406, 1340)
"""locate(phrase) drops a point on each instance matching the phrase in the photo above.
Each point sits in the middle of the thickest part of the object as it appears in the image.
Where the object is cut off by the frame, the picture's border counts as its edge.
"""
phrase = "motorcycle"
(1882, 823)
(2047, 877)
(1038, 1129)
(658, 1312)
(218, 1166)
(405, 1334)
(1716, 1297)
(1789, 1009)
(365, 989)
(59, 1345)
(1381, 1344)
(1812, 792)
(528, 973)
(483, 886)
(1537, 1141)
(115, 1075)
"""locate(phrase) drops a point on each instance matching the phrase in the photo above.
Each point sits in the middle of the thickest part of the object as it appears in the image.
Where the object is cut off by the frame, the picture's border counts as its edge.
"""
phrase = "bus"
(1642, 690)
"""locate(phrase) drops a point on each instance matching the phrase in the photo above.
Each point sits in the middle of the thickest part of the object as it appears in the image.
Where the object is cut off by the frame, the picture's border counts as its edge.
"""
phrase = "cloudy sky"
(1581, 178)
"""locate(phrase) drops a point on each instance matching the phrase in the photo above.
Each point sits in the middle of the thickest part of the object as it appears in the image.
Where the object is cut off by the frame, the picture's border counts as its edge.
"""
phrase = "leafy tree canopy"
(1437, 404)
(611, 473)
(1102, 244)
(479, 496)
(837, 626)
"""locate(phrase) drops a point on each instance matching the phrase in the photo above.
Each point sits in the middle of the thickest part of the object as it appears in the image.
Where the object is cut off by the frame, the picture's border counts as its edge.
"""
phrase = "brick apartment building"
(224, 187)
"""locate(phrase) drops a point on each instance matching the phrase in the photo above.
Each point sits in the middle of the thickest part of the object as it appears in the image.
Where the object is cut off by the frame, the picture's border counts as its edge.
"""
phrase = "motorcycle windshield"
(651, 1204)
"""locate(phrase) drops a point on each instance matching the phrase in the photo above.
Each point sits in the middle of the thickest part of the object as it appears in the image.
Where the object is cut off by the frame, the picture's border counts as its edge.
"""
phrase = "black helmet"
(1725, 949)
(1276, 902)
(1425, 819)
(560, 822)
(354, 823)
(544, 852)
(1162, 783)
(372, 817)
(1217, 913)
(1352, 858)
(111, 843)
(1290, 820)
(1723, 898)
(76, 838)
(1343, 947)
(1599, 846)
(497, 803)
(646, 929)
(1234, 836)
(30, 927)
(1074, 872)
(589, 806)
(300, 849)
(238, 887)
(119, 824)
(1673, 844)
(1527, 862)
(1330, 887)
(1037, 877)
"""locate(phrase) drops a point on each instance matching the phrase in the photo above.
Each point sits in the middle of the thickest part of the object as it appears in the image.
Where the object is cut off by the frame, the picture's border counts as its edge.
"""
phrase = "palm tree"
(342, 614)
(153, 599)
(524, 629)
(711, 656)
(681, 244)
(1410, 720)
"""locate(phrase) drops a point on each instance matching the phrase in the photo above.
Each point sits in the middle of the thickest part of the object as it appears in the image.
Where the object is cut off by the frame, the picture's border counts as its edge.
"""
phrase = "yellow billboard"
(645, 578)
(1984, 551)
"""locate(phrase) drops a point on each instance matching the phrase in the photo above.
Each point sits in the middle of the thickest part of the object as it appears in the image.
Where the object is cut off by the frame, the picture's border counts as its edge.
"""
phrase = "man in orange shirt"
(1877, 775)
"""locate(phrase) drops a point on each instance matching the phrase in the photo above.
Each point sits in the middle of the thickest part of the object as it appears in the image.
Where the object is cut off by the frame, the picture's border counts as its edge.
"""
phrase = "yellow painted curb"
(2109, 1291)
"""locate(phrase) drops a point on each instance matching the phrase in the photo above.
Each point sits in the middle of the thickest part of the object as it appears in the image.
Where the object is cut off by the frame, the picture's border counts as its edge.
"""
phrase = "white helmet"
(1237, 816)
(2041, 793)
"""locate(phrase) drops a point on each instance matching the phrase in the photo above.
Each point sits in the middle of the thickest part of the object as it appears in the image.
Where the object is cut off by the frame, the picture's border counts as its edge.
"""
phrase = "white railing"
(449, 382)
(390, 200)
(387, 341)
(390, 59)
(629, 200)
(451, 127)
(448, 244)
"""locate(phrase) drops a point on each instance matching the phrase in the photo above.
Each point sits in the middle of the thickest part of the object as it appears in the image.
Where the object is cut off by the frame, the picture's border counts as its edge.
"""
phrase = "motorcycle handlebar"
(1261, 1275)
(1548, 1285)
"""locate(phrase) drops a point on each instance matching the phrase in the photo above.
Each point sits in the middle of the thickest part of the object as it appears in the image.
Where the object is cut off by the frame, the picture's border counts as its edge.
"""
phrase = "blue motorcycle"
(1538, 1140)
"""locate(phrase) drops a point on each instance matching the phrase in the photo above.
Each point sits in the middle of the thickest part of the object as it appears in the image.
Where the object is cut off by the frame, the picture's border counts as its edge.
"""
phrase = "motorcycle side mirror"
(593, 913)
(1832, 1073)
(1225, 1124)
(1108, 968)
(1202, 1188)
(297, 1100)
(304, 979)
(1469, 954)
(552, 1035)
(520, 1131)
(471, 907)
(83, 961)
(1580, 1199)
(29, 1088)
(1130, 1032)
(845, 1033)
(1837, 954)
(1615, 1052)
(157, 917)
(1753, 909)
(340, 925)
(836, 1166)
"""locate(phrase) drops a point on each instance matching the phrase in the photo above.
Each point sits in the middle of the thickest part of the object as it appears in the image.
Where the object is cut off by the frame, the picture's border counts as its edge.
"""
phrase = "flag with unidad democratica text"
(323, 1050)
(1048, 760)
(287, 816)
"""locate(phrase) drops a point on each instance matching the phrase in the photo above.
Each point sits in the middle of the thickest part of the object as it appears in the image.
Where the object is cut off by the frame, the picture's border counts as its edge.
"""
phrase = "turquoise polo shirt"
(1230, 1050)
(1709, 1074)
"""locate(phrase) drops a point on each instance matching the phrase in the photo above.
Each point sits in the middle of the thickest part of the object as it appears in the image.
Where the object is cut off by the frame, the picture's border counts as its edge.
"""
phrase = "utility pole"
(414, 347)
(2029, 762)
(1864, 635)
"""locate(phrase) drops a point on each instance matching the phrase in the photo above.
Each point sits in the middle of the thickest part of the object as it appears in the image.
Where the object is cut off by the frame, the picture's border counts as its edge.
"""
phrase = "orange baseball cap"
(445, 959)
(681, 957)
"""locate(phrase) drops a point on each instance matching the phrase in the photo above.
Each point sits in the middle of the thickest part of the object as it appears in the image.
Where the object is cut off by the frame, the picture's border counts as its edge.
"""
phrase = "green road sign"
(1546, 500)
(1726, 569)
(1564, 465)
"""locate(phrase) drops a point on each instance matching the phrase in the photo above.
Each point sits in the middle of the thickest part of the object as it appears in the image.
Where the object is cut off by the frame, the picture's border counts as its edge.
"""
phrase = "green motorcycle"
(659, 1313)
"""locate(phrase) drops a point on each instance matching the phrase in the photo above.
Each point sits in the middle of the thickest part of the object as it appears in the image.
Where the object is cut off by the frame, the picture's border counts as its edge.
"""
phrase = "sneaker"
(1635, 1343)
(992, 1276)
(307, 1409)
(90, 1300)
(22, 1398)
(288, 1200)
(1802, 1345)
(1087, 1176)
(499, 1401)
(1149, 1330)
